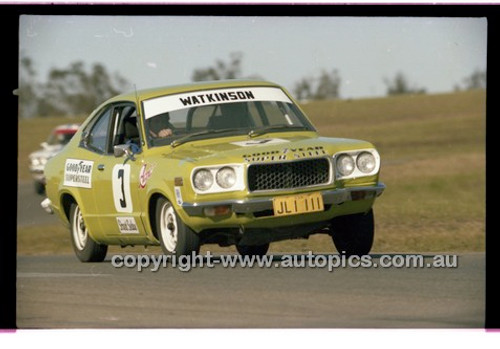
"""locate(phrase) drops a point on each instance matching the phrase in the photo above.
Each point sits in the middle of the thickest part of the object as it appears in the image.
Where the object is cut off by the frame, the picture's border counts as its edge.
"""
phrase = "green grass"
(433, 164)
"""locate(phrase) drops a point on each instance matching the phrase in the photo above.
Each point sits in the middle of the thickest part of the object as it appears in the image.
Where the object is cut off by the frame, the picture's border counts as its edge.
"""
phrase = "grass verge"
(433, 164)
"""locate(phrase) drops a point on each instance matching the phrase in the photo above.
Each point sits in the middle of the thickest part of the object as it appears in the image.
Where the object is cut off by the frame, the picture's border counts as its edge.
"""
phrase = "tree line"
(78, 89)
(74, 90)
(327, 84)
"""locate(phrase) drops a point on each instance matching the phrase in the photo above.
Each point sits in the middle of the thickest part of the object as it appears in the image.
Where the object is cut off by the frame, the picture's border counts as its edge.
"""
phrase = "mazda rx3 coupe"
(227, 162)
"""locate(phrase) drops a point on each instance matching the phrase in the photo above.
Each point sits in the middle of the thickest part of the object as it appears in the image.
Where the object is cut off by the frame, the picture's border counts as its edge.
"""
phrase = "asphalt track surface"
(29, 211)
(61, 292)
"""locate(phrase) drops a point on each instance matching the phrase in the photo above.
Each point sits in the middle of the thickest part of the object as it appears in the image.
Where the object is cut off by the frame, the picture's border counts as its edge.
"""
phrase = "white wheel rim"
(80, 231)
(168, 227)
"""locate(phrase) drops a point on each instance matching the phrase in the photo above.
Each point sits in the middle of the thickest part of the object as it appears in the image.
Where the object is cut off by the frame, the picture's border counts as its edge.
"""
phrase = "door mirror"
(123, 150)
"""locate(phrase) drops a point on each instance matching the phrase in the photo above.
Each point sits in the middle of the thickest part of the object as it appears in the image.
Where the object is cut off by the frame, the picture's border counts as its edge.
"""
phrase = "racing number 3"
(121, 188)
(123, 202)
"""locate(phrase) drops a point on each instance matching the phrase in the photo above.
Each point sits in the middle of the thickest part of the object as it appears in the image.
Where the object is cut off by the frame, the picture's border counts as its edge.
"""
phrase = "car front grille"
(288, 175)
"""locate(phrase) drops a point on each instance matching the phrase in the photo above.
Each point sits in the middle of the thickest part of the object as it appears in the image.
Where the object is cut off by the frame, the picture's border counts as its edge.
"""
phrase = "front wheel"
(353, 234)
(86, 249)
(176, 238)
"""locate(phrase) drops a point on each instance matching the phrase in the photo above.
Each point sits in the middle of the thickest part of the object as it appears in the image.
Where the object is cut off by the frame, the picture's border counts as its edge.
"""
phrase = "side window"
(98, 136)
(125, 128)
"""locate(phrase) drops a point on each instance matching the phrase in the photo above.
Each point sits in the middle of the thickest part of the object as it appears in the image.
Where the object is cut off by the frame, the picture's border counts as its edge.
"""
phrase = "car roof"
(198, 86)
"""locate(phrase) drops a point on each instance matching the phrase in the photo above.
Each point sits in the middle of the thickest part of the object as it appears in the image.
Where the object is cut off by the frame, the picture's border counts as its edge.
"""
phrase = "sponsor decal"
(178, 195)
(205, 98)
(166, 104)
(127, 225)
(78, 173)
(145, 173)
(277, 155)
(253, 143)
(307, 152)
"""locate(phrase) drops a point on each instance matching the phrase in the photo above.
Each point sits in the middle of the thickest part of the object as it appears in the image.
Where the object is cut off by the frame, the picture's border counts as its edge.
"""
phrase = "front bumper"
(330, 197)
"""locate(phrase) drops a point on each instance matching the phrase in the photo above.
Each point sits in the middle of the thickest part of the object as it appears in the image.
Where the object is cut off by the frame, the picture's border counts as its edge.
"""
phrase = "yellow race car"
(226, 162)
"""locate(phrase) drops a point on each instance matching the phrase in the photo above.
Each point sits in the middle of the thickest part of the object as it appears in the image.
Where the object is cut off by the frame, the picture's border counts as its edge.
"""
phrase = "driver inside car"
(160, 126)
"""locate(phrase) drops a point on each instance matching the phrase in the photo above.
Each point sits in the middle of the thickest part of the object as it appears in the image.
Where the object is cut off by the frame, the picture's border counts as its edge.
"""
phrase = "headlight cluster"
(218, 179)
(357, 164)
(203, 180)
(226, 177)
(345, 164)
(366, 162)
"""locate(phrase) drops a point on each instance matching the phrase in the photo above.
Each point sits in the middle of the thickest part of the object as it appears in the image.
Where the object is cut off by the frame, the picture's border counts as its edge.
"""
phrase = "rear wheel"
(353, 234)
(86, 249)
(176, 238)
(258, 250)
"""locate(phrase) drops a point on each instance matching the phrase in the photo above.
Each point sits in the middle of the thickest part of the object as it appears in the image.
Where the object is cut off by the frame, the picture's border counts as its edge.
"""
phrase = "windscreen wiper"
(193, 136)
(266, 129)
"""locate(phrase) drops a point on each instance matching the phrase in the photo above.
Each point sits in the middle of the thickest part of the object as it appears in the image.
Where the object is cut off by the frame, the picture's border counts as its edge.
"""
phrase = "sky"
(435, 53)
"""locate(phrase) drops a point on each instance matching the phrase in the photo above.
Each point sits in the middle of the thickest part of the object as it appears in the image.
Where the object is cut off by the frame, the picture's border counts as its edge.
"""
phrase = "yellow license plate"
(297, 204)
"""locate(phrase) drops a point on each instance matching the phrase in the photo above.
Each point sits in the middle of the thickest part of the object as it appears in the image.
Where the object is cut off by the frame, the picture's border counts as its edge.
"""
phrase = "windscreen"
(220, 113)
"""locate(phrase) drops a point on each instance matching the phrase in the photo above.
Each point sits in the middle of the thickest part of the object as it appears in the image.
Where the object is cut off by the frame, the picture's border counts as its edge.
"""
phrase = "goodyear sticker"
(78, 173)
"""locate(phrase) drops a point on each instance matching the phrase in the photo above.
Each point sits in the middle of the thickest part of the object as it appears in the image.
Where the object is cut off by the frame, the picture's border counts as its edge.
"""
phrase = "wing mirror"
(124, 150)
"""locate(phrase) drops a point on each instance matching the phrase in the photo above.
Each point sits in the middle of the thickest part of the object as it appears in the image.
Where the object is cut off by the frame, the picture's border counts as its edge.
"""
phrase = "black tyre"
(39, 188)
(175, 237)
(258, 250)
(86, 249)
(353, 234)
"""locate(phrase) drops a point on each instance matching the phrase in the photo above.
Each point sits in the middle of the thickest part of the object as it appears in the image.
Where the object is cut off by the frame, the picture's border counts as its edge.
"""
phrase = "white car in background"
(58, 138)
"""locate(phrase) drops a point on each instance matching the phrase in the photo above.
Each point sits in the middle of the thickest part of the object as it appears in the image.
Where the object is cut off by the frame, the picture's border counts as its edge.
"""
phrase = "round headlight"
(43, 161)
(366, 162)
(203, 180)
(345, 164)
(35, 162)
(226, 177)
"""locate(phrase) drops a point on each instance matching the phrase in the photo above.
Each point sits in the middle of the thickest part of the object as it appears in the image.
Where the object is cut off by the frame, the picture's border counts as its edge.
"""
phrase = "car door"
(117, 181)
(81, 168)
